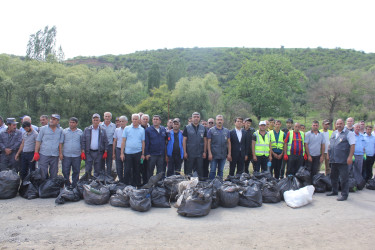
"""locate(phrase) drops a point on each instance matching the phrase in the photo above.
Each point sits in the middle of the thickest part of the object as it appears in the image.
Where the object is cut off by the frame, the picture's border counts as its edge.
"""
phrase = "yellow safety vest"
(280, 143)
(291, 141)
(262, 146)
(329, 132)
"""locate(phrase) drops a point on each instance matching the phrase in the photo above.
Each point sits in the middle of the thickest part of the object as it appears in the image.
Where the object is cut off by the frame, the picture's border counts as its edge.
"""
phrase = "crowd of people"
(202, 147)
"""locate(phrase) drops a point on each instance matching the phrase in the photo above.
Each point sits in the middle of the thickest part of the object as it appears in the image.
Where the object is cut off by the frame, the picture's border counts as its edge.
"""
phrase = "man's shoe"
(342, 198)
(332, 194)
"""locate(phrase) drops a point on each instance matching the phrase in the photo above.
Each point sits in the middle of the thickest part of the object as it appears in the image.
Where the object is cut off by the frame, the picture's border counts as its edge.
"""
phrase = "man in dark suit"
(239, 147)
(94, 145)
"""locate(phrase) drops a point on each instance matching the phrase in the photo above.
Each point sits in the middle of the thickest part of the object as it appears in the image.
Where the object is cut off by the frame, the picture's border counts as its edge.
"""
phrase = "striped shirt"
(297, 145)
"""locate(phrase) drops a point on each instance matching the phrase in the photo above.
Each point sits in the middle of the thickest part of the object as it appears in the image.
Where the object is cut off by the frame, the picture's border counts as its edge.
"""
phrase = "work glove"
(36, 156)
(83, 156)
(286, 157)
(364, 157)
(305, 157)
(105, 155)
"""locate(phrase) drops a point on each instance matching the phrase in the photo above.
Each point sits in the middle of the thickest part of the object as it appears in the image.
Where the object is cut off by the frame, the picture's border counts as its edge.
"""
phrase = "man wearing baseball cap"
(327, 135)
(10, 142)
(262, 148)
(47, 147)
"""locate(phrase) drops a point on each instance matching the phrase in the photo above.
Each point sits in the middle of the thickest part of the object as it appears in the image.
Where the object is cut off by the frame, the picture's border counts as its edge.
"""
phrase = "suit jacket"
(86, 140)
(239, 148)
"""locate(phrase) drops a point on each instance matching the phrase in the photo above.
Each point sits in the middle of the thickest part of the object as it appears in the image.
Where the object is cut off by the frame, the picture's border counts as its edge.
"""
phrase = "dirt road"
(326, 223)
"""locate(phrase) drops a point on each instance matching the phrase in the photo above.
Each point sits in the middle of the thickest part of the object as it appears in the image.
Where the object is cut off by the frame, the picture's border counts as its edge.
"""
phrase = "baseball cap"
(55, 116)
(262, 123)
(176, 120)
(96, 115)
(326, 121)
(11, 121)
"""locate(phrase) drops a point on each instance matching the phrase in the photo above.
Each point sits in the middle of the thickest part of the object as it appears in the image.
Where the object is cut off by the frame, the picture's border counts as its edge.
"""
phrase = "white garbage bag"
(300, 197)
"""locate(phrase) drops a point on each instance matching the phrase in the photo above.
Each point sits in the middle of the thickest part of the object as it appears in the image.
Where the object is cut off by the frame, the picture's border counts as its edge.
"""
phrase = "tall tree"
(266, 85)
(154, 77)
(176, 70)
(41, 45)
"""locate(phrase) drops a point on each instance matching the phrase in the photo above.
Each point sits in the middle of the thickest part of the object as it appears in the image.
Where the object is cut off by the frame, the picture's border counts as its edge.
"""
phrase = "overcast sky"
(94, 28)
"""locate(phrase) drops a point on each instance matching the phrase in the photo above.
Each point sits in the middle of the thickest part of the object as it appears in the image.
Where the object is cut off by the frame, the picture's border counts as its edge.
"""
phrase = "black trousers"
(194, 164)
(294, 163)
(174, 164)
(237, 162)
(276, 167)
(158, 161)
(367, 167)
(340, 171)
(206, 165)
(313, 166)
(132, 169)
(261, 163)
(26, 165)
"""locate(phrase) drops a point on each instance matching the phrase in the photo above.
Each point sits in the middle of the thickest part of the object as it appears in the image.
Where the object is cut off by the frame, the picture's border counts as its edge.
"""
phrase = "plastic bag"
(140, 200)
(116, 186)
(304, 175)
(264, 174)
(250, 196)
(96, 194)
(86, 179)
(300, 197)
(229, 196)
(288, 183)
(216, 185)
(28, 191)
(187, 184)
(9, 184)
(153, 180)
(105, 178)
(120, 199)
(321, 183)
(159, 197)
(196, 202)
(271, 192)
(371, 184)
(50, 188)
(68, 194)
(171, 185)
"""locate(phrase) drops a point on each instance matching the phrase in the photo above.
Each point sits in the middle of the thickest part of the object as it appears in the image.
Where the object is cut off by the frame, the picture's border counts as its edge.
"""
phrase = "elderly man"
(314, 147)
(27, 118)
(133, 151)
(175, 151)
(70, 151)
(370, 154)
(155, 146)
(341, 150)
(359, 151)
(10, 142)
(43, 120)
(109, 127)
(117, 140)
(47, 147)
(327, 135)
(195, 146)
(261, 147)
(349, 124)
(26, 150)
(294, 149)
(219, 147)
(94, 145)
(145, 118)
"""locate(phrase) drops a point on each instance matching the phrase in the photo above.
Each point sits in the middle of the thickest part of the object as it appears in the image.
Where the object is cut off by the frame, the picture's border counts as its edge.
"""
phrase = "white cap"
(262, 123)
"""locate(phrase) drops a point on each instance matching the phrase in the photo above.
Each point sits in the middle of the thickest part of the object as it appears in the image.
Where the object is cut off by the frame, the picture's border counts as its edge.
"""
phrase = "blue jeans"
(219, 164)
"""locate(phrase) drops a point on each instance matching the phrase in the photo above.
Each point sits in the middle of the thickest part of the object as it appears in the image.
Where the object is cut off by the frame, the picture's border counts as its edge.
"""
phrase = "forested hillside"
(315, 83)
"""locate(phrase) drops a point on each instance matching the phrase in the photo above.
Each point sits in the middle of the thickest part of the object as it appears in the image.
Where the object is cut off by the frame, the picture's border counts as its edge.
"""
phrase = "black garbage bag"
(50, 188)
(122, 197)
(361, 185)
(105, 178)
(250, 196)
(352, 184)
(35, 178)
(216, 185)
(244, 176)
(371, 184)
(153, 180)
(171, 185)
(304, 175)
(96, 193)
(264, 174)
(196, 202)
(319, 183)
(86, 179)
(288, 183)
(159, 197)
(28, 191)
(140, 200)
(229, 195)
(116, 186)
(68, 194)
(271, 192)
(9, 184)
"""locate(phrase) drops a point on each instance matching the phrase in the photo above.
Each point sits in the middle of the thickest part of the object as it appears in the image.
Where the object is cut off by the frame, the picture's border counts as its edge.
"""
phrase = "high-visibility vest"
(329, 132)
(291, 133)
(280, 143)
(262, 146)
